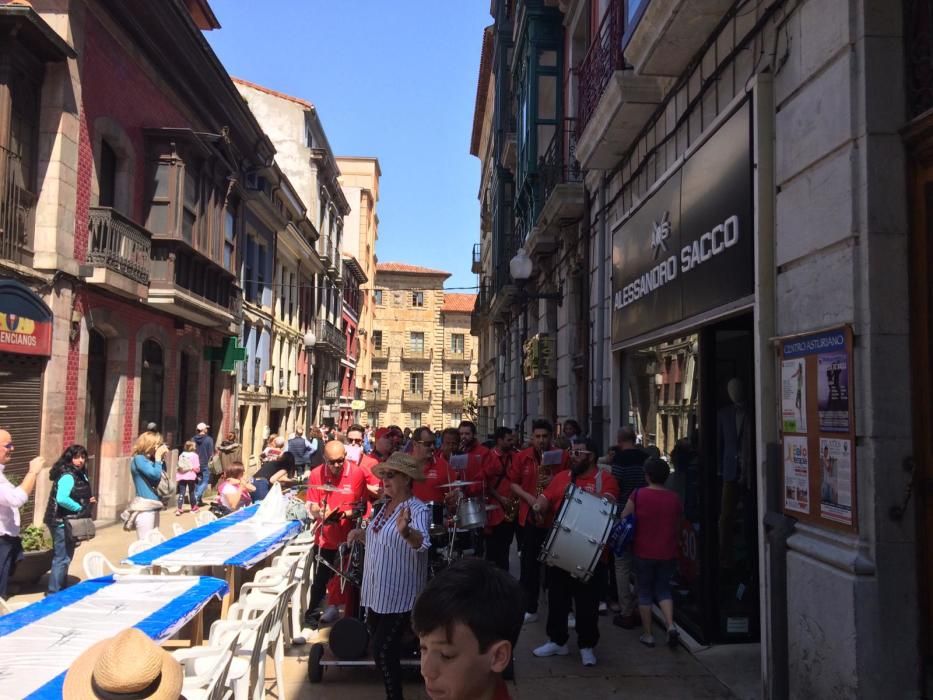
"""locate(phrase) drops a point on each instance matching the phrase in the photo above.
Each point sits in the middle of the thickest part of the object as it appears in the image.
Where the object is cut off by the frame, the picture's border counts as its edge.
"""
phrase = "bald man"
(335, 490)
(12, 498)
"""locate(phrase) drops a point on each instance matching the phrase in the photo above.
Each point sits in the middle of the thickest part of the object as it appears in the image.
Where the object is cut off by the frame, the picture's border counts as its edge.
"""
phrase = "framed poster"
(818, 428)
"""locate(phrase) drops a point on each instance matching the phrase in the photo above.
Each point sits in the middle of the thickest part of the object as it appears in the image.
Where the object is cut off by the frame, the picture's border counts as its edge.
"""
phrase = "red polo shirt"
(352, 491)
(524, 472)
(495, 476)
(436, 472)
(554, 493)
(367, 462)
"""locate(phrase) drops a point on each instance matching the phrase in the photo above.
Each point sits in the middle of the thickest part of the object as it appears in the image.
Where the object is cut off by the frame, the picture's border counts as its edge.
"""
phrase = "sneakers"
(330, 615)
(178, 512)
(673, 637)
(195, 509)
(626, 622)
(530, 617)
(552, 649)
(588, 657)
(647, 640)
(571, 621)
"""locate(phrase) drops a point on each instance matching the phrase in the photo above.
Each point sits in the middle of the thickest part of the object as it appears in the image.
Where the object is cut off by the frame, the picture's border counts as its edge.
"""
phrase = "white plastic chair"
(204, 517)
(154, 537)
(206, 670)
(137, 546)
(96, 565)
(178, 529)
(263, 590)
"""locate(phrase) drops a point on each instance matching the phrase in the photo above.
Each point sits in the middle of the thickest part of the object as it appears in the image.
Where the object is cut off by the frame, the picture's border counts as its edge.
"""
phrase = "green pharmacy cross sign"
(227, 354)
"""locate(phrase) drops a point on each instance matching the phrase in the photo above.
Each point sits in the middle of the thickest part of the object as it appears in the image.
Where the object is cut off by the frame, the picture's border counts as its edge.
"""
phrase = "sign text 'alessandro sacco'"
(692, 255)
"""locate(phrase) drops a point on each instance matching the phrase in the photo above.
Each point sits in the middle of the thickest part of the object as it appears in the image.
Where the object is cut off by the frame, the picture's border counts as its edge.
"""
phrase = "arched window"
(152, 377)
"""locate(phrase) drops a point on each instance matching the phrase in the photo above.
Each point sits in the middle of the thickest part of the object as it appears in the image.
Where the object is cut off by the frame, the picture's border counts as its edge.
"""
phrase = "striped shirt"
(393, 572)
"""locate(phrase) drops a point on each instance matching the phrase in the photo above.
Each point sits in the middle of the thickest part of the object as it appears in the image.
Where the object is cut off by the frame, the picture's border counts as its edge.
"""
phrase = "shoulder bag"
(623, 533)
(80, 529)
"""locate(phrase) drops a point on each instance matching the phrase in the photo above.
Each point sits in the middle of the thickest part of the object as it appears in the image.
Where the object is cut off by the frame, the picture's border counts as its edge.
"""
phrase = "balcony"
(453, 399)
(416, 397)
(668, 33)
(329, 338)
(477, 258)
(458, 355)
(418, 354)
(614, 103)
(376, 396)
(561, 191)
(17, 212)
(120, 252)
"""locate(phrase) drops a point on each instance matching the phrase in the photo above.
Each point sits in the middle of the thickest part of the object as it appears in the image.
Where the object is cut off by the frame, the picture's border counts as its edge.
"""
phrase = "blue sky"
(395, 79)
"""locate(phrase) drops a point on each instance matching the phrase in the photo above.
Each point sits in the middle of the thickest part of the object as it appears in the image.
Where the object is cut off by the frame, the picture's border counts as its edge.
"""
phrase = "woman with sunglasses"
(395, 566)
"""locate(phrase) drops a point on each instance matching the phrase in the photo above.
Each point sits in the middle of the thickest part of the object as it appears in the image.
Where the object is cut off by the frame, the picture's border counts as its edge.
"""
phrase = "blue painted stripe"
(52, 604)
(146, 557)
(155, 626)
(258, 551)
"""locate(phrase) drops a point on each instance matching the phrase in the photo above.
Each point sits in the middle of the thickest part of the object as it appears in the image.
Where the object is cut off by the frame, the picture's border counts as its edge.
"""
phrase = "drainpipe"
(599, 326)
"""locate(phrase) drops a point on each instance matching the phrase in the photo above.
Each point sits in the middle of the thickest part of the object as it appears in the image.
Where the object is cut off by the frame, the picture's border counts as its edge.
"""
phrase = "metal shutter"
(21, 414)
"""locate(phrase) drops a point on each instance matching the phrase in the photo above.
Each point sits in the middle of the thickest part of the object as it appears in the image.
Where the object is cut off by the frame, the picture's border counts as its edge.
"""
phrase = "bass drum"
(579, 533)
(349, 639)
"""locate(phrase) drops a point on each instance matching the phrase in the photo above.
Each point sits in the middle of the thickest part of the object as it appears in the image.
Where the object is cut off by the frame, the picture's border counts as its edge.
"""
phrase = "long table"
(39, 643)
(237, 541)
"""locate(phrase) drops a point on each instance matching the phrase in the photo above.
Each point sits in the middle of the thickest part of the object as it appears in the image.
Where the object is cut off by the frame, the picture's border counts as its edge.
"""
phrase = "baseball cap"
(203, 426)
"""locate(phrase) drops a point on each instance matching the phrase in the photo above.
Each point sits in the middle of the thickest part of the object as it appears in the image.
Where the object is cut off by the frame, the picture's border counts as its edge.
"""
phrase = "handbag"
(623, 533)
(164, 490)
(80, 529)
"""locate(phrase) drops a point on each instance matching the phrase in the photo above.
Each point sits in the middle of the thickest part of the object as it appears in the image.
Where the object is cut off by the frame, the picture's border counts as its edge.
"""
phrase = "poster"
(833, 392)
(836, 479)
(796, 474)
(793, 396)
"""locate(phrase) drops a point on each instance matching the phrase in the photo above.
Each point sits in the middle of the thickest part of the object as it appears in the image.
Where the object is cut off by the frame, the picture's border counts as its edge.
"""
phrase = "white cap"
(203, 426)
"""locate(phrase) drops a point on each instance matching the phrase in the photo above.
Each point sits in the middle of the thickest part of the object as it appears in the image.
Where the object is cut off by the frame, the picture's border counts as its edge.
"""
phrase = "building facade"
(359, 179)
(422, 350)
(351, 402)
(715, 206)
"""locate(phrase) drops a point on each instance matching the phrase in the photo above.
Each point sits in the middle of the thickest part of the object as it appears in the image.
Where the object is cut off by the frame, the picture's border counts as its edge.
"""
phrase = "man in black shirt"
(627, 468)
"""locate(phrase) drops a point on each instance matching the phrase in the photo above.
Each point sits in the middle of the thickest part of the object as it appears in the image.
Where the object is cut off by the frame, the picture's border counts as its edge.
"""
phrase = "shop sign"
(358, 405)
(25, 321)
(689, 247)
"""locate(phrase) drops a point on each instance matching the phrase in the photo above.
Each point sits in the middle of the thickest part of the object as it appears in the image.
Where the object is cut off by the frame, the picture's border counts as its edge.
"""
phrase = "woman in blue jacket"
(71, 497)
(143, 511)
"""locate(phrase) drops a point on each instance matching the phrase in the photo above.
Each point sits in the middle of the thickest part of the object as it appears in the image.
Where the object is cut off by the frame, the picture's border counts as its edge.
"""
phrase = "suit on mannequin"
(735, 444)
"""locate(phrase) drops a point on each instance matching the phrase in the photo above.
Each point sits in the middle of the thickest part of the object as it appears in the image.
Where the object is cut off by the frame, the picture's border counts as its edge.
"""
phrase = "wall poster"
(819, 462)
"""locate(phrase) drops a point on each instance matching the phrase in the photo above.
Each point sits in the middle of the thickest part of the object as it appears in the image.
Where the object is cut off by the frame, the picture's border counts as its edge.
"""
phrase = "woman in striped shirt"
(395, 565)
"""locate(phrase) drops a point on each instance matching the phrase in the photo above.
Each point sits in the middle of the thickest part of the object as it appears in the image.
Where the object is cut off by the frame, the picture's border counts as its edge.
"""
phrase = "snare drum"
(471, 515)
(438, 524)
(579, 533)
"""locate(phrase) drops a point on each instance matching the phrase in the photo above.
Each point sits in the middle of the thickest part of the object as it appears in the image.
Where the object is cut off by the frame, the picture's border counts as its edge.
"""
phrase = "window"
(456, 343)
(151, 382)
(414, 420)
(417, 298)
(377, 341)
(377, 381)
(456, 384)
(416, 383)
(377, 297)
(107, 178)
(416, 343)
(229, 237)
(455, 418)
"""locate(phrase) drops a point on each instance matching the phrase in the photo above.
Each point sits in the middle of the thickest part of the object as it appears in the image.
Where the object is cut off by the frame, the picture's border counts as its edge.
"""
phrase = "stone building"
(713, 199)
(423, 355)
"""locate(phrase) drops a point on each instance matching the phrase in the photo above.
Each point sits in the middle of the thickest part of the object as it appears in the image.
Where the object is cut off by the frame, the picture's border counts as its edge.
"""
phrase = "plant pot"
(31, 568)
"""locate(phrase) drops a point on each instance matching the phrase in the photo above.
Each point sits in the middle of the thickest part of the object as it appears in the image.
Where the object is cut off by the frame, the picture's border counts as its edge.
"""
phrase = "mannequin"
(734, 452)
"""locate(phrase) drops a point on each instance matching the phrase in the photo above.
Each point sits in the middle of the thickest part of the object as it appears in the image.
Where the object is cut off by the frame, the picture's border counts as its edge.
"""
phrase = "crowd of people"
(392, 480)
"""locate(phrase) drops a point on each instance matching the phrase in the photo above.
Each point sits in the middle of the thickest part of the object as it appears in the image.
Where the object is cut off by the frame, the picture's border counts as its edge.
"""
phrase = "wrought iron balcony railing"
(451, 355)
(382, 353)
(453, 398)
(118, 244)
(601, 61)
(559, 164)
(329, 337)
(418, 354)
(376, 395)
(416, 397)
(17, 211)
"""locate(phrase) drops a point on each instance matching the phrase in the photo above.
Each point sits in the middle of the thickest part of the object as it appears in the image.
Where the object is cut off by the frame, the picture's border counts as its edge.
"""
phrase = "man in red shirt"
(365, 462)
(335, 490)
(436, 469)
(563, 589)
(500, 521)
(529, 477)
(470, 447)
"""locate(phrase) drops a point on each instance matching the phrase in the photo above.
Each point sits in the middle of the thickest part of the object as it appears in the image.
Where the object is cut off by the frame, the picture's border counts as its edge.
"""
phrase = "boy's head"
(468, 618)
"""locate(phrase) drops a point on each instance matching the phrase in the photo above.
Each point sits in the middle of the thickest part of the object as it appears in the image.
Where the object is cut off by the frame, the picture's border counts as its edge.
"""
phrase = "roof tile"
(459, 303)
(411, 269)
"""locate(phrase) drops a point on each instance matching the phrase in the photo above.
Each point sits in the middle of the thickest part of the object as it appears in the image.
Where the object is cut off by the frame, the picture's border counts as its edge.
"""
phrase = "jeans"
(562, 590)
(387, 630)
(63, 551)
(653, 577)
(11, 551)
(262, 489)
(530, 577)
(499, 544)
(188, 487)
(203, 483)
(625, 567)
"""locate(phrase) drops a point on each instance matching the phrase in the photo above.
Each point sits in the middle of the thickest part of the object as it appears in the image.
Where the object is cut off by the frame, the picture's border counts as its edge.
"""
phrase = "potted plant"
(37, 558)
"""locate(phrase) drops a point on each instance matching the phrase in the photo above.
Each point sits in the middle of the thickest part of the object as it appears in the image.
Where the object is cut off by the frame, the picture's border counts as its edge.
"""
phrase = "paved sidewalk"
(625, 667)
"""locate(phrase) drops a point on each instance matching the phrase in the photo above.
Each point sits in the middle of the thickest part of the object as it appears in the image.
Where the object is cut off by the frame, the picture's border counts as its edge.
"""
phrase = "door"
(21, 414)
(97, 407)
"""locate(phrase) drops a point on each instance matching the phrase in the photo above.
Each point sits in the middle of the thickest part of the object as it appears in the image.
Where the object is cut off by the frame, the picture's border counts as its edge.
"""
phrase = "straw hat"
(129, 665)
(402, 463)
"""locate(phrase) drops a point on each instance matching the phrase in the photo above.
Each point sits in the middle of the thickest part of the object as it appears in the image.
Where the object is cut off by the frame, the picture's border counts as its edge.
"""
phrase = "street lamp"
(310, 340)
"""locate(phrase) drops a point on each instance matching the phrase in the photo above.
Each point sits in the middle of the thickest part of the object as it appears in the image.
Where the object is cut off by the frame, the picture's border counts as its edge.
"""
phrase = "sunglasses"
(336, 461)
(386, 476)
(355, 441)
(579, 451)
(425, 443)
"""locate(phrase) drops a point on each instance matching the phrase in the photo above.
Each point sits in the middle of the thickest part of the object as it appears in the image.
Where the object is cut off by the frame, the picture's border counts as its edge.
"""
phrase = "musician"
(335, 490)
(450, 443)
(470, 446)
(364, 461)
(395, 565)
(528, 479)
(500, 521)
(436, 469)
(562, 588)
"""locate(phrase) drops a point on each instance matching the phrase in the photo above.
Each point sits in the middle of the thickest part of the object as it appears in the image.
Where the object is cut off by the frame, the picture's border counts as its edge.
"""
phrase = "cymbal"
(458, 484)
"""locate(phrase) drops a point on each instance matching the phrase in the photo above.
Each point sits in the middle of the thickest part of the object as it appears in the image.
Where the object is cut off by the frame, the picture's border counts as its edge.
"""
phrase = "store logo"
(660, 232)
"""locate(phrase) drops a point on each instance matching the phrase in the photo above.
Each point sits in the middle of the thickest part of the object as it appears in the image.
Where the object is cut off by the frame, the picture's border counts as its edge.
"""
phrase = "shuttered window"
(21, 414)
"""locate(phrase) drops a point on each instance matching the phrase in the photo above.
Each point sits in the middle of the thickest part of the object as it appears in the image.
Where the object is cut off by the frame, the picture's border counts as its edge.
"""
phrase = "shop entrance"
(692, 398)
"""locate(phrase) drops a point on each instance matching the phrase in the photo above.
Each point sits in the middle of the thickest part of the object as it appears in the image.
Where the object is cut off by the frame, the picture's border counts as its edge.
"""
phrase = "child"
(468, 618)
(186, 476)
(233, 492)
